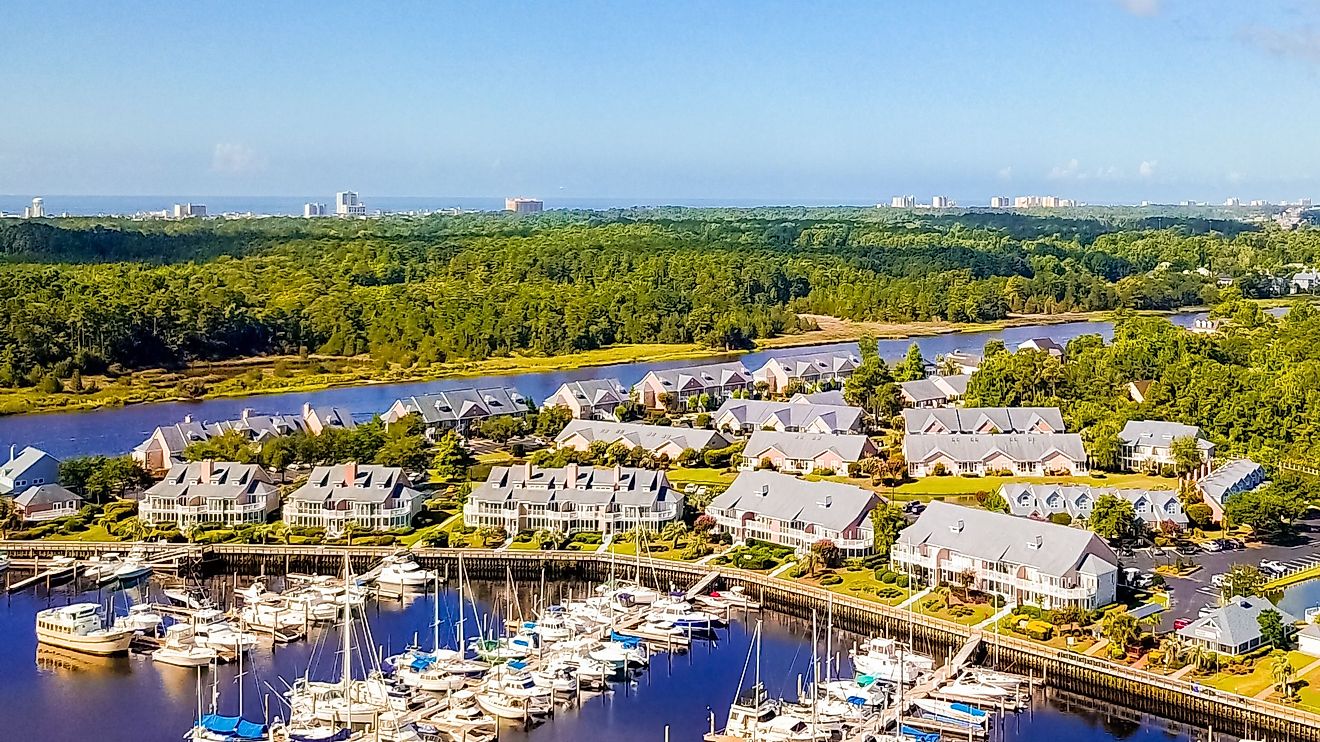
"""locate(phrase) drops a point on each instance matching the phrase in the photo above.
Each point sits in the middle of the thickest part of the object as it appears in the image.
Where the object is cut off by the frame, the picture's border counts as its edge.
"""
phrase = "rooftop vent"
(1035, 543)
(957, 527)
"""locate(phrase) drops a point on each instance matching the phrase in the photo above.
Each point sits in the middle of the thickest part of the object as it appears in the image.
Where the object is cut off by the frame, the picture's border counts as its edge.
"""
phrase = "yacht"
(628, 594)
(4, 561)
(81, 627)
(464, 719)
(517, 647)
(131, 568)
(735, 597)
(180, 650)
(755, 716)
(141, 619)
(681, 615)
(510, 692)
(553, 625)
(212, 629)
(428, 672)
(401, 570)
(961, 714)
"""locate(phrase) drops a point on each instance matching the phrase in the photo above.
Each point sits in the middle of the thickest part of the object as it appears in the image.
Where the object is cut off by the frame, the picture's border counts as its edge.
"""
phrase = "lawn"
(948, 608)
(656, 549)
(863, 584)
(525, 546)
(933, 487)
(679, 476)
(1258, 679)
(96, 532)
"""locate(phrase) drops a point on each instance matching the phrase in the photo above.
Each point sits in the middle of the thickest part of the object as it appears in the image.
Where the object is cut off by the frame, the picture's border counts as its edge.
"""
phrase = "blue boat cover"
(422, 662)
(856, 700)
(967, 709)
(919, 735)
(234, 727)
(627, 641)
(518, 665)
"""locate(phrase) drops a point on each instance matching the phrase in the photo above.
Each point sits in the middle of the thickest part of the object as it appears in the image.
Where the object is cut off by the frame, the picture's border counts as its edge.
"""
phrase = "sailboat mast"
(435, 619)
(347, 648)
(458, 630)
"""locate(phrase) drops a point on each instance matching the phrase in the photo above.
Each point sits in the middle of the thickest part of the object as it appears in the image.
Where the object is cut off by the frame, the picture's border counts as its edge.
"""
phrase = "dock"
(893, 717)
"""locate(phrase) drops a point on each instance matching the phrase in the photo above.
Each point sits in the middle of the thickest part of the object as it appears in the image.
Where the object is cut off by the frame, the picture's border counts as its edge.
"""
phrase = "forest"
(91, 296)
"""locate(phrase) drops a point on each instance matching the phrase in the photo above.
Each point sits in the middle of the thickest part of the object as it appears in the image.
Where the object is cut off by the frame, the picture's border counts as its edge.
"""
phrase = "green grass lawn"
(680, 476)
(947, 606)
(96, 532)
(933, 487)
(658, 550)
(863, 584)
(525, 546)
(1258, 679)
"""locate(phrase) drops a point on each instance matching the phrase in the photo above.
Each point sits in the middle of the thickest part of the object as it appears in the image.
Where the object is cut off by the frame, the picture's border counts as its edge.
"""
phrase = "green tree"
(912, 367)
(551, 420)
(995, 503)
(1272, 629)
(405, 447)
(452, 459)
(1270, 510)
(1243, 580)
(1186, 454)
(829, 553)
(1113, 518)
(887, 520)
(230, 445)
(1121, 629)
(1281, 671)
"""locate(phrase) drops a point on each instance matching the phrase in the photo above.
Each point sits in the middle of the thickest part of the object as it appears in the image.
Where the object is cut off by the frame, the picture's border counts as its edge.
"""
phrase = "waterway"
(54, 696)
(115, 431)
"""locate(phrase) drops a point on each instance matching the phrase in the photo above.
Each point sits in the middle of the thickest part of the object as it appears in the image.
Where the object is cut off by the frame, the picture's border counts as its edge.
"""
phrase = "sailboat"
(754, 715)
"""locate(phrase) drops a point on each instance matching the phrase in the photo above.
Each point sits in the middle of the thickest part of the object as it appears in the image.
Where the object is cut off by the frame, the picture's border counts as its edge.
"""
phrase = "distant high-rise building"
(519, 205)
(36, 211)
(1259, 202)
(903, 202)
(1232, 202)
(187, 211)
(1304, 202)
(347, 204)
(999, 202)
(310, 210)
(939, 202)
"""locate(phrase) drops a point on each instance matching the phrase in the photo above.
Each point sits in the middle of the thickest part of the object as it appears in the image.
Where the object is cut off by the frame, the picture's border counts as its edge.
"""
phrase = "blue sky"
(1102, 100)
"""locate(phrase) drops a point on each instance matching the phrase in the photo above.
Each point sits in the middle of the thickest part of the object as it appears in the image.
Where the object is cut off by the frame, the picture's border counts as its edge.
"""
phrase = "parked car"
(1218, 580)
(1212, 546)
(1236, 543)
(1272, 567)
(1186, 549)
(1145, 579)
(1180, 623)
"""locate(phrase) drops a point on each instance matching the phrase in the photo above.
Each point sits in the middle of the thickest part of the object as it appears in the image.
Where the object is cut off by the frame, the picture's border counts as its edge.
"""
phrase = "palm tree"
(133, 529)
(809, 562)
(1282, 671)
(1198, 655)
(674, 531)
(1172, 649)
(9, 518)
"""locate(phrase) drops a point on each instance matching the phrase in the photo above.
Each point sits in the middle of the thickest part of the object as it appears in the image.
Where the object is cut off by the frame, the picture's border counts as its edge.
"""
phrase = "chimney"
(765, 490)
(207, 468)
(957, 527)
(526, 472)
(247, 412)
(570, 475)
(618, 477)
(350, 473)
(307, 410)
(13, 451)
(829, 500)
(1036, 542)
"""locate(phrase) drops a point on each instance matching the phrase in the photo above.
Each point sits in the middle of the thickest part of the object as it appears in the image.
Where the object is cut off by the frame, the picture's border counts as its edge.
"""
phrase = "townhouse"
(165, 446)
(933, 391)
(30, 467)
(210, 492)
(658, 440)
(984, 420)
(1229, 479)
(45, 502)
(459, 409)
(806, 452)
(1017, 454)
(679, 388)
(1042, 345)
(591, 399)
(1148, 444)
(806, 370)
(369, 497)
(794, 512)
(748, 415)
(1022, 560)
(573, 498)
(1040, 501)
(831, 397)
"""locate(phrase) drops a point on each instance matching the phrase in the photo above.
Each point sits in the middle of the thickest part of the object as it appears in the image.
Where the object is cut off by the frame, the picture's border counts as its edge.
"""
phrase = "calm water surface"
(51, 696)
(117, 431)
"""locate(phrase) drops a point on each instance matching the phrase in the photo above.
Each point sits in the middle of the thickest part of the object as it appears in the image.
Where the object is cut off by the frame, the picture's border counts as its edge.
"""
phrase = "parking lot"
(1187, 595)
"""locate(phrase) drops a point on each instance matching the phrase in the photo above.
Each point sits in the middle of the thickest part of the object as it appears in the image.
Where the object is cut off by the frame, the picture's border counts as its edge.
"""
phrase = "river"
(115, 431)
(53, 696)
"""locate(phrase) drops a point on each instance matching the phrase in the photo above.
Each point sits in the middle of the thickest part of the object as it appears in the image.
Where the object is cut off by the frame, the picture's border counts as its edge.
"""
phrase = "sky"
(1098, 100)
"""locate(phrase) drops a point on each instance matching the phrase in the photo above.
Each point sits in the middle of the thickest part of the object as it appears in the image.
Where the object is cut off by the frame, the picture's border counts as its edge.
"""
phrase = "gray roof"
(1043, 500)
(834, 397)
(650, 437)
(815, 364)
(984, 420)
(1235, 623)
(1158, 433)
(256, 427)
(462, 405)
(695, 378)
(1235, 476)
(1017, 447)
(922, 390)
(331, 417)
(345, 483)
(956, 383)
(1045, 344)
(807, 445)
(24, 460)
(591, 392)
(196, 482)
(1053, 549)
(45, 494)
(831, 505)
(760, 412)
(581, 485)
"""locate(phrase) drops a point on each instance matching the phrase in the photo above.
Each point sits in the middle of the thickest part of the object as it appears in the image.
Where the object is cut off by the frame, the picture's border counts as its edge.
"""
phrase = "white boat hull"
(98, 644)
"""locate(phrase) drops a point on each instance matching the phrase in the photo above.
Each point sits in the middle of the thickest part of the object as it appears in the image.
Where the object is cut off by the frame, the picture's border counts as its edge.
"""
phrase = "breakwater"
(1147, 692)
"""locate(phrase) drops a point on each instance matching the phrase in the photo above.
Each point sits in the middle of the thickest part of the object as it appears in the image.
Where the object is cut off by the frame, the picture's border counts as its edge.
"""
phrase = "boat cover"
(338, 736)
(857, 700)
(422, 662)
(967, 709)
(918, 735)
(628, 642)
(518, 665)
(234, 727)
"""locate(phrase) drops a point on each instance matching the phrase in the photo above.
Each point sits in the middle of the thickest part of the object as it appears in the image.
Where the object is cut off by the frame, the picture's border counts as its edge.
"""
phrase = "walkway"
(1094, 649)
(782, 568)
(913, 598)
(1007, 609)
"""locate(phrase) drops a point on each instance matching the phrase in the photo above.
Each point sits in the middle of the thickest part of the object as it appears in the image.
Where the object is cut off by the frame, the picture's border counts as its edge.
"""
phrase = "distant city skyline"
(1099, 101)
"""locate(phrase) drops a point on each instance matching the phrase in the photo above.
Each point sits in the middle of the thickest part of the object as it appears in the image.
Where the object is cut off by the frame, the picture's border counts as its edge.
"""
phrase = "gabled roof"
(759, 412)
(1017, 447)
(1042, 500)
(807, 445)
(1159, 433)
(650, 437)
(831, 505)
(331, 417)
(695, 378)
(976, 419)
(832, 397)
(954, 385)
(1049, 345)
(1052, 549)
(201, 480)
(1235, 623)
(456, 405)
(23, 461)
(45, 494)
(355, 483)
(590, 392)
(922, 390)
(813, 364)
(581, 485)
(1235, 476)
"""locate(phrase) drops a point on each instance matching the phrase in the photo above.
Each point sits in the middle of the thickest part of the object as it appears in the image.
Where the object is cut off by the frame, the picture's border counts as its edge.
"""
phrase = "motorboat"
(131, 568)
(951, 712)
(4, 561)
(755, 716)
(401, 570)
(890, 661)
(681, 615)
(180, 650)
(82, 628)
(464, 719)
(998, 679)
(141, 619)
(973, 689)
(634, 650)
(558, 677)
(628, 594)
(510, 692)
(212, 629)
(429, 673)
(217, 728)
(517, 647)
(735, 597)
(553, 625)
(863, 691)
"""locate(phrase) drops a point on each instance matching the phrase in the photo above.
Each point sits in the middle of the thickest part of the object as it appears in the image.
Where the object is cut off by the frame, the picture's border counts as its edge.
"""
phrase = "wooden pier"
(1142, 691)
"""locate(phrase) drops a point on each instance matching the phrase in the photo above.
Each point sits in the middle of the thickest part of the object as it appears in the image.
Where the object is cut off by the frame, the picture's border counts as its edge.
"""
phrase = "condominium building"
(574, 498)
(1018, 454)
(750, 415)
(1043, 500)
(794, 512)
(188, 211)
(806, 369)
(934, 391)
(373, 498)
(903, 202)
(460, 409)
(1022, 560)
(658, 440)
(939, 202)
(166, 444)
(519, 205)
(805, 452)
(999, 202)
(1226, 481)
(679, 387)
(1148, 444)
(347, 204)
(313, 209)
(210, 492)
(36, 211)
(983, 420)
(590, 399)
(30, 467)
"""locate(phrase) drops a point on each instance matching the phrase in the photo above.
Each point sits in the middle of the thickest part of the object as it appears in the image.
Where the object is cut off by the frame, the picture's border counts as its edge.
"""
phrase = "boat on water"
(973, 689)
(82, 628)
(180, 650)
(510, 692)
(141, 619)
(212, 629)
(754, 715)
(733, 597)
(628, 594)
(217, 728)
(517, 647)
(400, 570)
(681, 615)
(463, 720)
(4, 561)
(952, 712)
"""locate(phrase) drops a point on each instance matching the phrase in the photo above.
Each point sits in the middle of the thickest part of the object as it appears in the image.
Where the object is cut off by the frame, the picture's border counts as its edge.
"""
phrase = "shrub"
(517, 450)
(889, 576)
(901, 581)
(1168, 471)
(940, 470)
(1040, 630)
(829, 580)
(1062, 519)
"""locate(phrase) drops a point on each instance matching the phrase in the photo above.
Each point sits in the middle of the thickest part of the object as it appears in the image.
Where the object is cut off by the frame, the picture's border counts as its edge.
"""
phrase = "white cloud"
(1067, 170)
(1143, 8)
(1147, 168)
(236, 159)
(1006, 172)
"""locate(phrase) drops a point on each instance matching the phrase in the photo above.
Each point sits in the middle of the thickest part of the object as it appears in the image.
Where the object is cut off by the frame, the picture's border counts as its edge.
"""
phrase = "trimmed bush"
(829, 580)
(1040, 630)
(901, 581)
